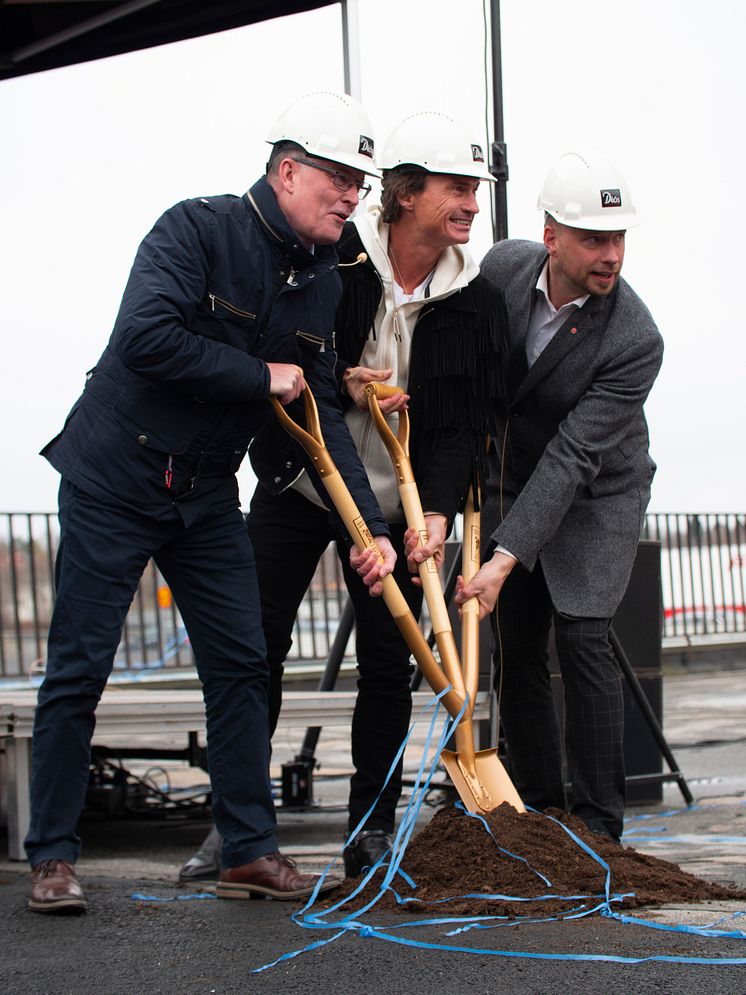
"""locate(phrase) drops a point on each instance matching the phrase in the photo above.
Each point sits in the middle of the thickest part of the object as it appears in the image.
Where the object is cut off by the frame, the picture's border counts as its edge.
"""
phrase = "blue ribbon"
(139, 897)
(349, 923)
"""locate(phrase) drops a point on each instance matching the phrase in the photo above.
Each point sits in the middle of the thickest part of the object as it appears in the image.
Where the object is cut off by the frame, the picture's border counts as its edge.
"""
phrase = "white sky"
(91, 155)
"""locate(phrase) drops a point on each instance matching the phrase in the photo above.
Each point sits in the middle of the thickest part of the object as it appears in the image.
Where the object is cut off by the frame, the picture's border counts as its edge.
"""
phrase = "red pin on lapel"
(573, 331)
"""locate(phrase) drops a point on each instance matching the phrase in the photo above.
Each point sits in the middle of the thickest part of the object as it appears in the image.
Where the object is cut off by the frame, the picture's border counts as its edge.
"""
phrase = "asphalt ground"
(145, 933)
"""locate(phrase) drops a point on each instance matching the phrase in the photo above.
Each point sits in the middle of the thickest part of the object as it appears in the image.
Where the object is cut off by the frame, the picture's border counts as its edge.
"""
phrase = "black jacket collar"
(262, 202)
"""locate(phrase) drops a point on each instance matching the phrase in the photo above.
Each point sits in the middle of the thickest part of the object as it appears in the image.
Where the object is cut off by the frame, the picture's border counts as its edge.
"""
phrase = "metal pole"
(499, 159)
(77, 30)
(351, 48)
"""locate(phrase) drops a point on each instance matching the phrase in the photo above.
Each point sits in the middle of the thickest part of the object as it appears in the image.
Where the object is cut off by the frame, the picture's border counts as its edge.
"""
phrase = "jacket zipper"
(230, 307)
(316, 340)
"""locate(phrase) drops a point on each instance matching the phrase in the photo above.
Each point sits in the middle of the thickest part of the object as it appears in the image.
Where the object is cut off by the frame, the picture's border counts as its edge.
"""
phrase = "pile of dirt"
(456, 859)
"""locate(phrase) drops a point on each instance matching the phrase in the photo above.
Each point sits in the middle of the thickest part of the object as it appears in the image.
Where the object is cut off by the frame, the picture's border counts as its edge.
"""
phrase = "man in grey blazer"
(570, 481)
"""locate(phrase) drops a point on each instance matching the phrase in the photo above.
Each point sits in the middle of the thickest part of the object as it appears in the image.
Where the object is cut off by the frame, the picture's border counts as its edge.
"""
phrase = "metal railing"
(703, 571)
(154, 637)
(703, 582)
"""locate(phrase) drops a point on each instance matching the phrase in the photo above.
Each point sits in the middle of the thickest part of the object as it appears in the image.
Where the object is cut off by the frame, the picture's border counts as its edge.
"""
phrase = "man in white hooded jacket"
(414, 313)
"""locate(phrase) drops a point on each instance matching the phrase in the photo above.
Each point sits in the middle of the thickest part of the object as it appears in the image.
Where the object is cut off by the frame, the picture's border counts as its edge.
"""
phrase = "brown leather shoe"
(54, 888)
(273, 876)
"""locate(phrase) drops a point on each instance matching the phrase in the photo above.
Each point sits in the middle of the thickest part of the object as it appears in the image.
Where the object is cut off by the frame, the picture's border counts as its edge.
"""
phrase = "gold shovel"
(313, 442)
(479, 777)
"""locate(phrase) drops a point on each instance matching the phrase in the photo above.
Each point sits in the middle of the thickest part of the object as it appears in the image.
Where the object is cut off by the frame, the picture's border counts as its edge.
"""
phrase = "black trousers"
(289, 534)
(594, 705)
(209, 567)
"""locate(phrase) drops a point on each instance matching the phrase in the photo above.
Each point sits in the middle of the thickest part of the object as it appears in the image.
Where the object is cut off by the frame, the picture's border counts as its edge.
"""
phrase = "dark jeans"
(289, 534)
(210, 570)
(594, 705)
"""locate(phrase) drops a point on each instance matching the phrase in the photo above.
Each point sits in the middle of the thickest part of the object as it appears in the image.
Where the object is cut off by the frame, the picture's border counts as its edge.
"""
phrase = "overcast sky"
(91, 155)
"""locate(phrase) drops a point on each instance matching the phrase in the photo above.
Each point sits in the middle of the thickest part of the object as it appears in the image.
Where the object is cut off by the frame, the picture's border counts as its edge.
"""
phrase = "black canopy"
(46, 35)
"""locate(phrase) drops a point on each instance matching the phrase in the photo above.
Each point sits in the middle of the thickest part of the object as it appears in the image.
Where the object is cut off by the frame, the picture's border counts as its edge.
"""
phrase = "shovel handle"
(398, 448)
(382, 390)
(312, 441)
(397, 445)
(470, 609)
(480, 779)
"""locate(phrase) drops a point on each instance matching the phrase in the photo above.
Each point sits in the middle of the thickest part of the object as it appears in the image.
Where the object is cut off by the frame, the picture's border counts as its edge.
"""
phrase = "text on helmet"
(366, 146)
(611, 198)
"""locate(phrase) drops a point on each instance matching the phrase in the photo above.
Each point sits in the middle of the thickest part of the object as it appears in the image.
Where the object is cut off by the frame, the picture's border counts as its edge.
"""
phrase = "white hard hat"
(586, 190)
(331, 126)
(436, 143)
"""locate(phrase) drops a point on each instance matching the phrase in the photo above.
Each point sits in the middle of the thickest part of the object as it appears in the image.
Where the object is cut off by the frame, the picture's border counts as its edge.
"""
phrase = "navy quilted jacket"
(219, 287)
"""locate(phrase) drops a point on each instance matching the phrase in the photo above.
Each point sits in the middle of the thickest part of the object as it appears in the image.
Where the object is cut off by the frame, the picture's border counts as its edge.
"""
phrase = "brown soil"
(454, 856)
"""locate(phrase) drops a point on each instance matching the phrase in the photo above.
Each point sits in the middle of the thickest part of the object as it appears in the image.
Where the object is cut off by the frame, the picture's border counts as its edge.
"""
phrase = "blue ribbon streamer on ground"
(341, 923)
(139, 897)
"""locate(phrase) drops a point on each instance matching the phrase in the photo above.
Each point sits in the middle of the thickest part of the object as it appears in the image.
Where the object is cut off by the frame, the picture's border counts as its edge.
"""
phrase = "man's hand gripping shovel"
(479, 777)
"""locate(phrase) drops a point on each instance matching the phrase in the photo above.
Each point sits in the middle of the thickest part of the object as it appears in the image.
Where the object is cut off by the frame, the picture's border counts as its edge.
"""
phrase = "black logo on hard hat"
(476, 153)
(366, 146)
(611, 198)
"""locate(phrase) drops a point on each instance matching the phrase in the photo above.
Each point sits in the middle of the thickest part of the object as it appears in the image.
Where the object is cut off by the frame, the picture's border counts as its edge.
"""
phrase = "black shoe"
(366, 850)
(205, 864)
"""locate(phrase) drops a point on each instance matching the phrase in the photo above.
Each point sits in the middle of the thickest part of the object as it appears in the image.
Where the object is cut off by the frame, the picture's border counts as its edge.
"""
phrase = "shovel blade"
(489, 788)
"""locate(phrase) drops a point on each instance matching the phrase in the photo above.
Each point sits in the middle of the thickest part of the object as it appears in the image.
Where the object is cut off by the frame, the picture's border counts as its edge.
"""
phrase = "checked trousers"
(592, 746)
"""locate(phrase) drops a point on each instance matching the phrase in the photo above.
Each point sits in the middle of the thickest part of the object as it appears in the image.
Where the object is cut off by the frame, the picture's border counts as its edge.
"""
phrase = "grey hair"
(280, 151)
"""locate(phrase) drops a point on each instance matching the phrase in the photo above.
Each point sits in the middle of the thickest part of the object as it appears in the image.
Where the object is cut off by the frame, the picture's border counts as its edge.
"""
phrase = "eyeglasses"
(342, 181)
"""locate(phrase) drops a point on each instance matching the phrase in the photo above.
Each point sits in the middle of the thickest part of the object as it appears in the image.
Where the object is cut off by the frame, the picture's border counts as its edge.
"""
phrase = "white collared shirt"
(546, 319)
(388, 346)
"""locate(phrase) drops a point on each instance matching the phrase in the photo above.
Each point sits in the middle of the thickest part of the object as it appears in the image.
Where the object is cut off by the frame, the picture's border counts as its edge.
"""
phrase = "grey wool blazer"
(570, 470)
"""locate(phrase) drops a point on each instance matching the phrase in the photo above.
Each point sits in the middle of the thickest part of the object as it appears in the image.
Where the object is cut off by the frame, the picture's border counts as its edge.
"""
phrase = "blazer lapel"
(575, 330)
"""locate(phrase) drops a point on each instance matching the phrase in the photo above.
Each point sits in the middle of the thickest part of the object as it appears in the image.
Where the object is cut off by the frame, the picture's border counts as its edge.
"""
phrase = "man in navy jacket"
(230, 301)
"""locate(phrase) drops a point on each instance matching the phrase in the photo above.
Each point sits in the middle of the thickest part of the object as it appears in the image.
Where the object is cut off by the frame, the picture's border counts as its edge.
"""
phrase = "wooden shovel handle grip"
(398, 449)
(397, 445)
(382, 390)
